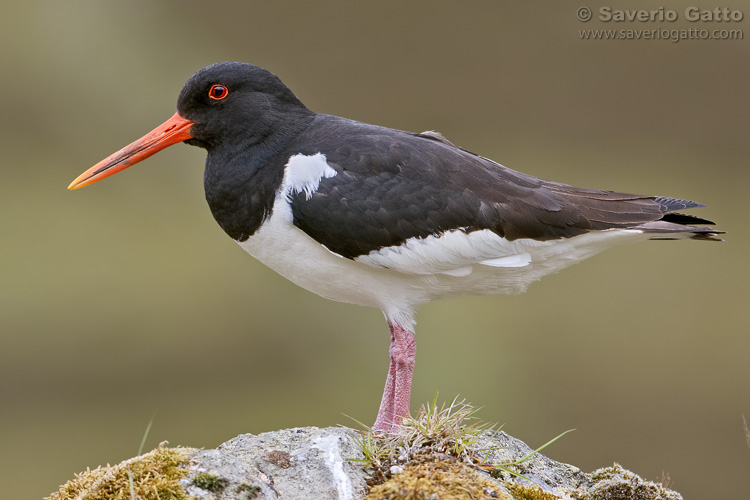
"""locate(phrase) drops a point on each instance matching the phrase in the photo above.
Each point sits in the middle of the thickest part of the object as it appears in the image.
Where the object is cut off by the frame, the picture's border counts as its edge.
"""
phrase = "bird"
(380, 217)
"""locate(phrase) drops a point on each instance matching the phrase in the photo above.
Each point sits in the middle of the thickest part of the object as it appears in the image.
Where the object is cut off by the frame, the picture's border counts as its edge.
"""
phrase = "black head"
(232, 101)
(230, 104)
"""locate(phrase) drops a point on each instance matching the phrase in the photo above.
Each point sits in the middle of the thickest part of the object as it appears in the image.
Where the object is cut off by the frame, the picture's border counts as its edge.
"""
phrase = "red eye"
(218, 92)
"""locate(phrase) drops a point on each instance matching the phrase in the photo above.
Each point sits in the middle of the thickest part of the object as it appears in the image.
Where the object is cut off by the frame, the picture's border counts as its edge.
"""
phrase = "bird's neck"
(241, 180)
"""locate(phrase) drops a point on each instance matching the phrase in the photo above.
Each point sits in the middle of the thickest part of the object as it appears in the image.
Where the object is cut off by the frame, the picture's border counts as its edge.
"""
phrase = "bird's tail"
(675, 225)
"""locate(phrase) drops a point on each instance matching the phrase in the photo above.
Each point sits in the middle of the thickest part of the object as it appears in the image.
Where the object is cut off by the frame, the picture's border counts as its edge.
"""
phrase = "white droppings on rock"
(329, 445)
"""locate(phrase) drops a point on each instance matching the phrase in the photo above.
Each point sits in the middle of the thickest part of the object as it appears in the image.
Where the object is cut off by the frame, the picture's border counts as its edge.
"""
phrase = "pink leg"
(397, 393)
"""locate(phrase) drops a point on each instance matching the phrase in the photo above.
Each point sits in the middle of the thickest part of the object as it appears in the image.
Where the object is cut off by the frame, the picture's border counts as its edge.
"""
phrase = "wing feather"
(393, 186)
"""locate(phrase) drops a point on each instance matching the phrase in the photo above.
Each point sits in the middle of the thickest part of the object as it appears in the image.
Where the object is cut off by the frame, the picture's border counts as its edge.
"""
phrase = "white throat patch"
(303, 174)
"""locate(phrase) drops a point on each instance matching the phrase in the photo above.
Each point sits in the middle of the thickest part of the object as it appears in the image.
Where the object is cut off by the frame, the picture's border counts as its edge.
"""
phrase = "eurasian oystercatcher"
(380, 217)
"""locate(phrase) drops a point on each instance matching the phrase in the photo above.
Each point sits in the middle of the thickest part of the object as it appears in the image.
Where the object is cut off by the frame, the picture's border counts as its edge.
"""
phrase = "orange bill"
(172, 131)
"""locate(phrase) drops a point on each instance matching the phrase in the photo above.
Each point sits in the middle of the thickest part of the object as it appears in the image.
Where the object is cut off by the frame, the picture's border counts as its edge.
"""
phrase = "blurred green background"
(125, 299)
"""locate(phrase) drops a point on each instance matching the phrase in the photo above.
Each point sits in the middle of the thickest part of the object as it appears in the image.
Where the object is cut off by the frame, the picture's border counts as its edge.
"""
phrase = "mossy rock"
(153, 476)
(617, 483)
(437, 479)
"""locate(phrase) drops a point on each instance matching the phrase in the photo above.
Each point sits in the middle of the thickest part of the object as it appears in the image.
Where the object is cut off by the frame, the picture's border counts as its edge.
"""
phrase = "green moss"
(249, 491)
(446, 478)
(523, 492)
(155, 476)
(209, 482)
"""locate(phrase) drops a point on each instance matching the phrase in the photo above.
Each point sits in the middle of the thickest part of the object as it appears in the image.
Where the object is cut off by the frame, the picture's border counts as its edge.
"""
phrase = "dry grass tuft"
(437, 433)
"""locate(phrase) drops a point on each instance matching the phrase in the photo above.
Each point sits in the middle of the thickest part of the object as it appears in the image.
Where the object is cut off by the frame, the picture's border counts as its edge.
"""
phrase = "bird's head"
(225, 103)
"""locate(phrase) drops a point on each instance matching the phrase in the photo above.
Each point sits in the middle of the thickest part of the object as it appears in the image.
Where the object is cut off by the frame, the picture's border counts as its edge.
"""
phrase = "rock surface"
(313, 463)
(301, 463)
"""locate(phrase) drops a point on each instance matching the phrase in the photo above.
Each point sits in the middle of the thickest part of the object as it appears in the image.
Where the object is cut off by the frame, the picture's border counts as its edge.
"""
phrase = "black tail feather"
(686, 219)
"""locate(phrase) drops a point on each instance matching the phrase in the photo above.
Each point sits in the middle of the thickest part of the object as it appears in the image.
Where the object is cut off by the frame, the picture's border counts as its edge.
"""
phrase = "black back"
(393, 185)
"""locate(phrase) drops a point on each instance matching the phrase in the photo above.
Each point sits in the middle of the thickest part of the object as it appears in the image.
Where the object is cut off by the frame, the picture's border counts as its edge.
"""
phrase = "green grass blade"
(542, 447)
(145, 434)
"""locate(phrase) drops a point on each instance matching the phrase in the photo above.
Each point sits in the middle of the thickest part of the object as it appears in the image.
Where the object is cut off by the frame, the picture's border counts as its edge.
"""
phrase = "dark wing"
(392, 185)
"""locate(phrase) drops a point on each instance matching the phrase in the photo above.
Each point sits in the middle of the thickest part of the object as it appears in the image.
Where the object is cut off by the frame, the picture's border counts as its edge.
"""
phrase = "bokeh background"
(125, 299)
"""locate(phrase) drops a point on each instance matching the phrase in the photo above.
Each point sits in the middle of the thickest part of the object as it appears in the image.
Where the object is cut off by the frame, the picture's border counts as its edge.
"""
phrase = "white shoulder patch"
(303, 174)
